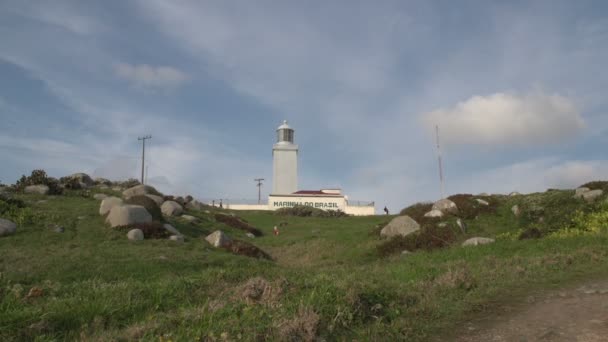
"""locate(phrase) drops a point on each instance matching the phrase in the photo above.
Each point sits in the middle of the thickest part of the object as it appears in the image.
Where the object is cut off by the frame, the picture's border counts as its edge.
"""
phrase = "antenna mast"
(441, 182)
(259, 185)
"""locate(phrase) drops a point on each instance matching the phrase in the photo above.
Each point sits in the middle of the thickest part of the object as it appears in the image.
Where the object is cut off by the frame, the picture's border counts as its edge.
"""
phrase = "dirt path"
(575, 314)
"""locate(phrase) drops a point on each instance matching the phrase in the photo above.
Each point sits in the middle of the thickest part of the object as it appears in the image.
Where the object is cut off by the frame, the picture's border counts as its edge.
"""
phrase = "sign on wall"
(325, 203)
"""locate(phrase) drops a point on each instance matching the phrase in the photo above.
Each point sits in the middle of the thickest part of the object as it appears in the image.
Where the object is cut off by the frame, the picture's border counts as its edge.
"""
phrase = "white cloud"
(144, 75)
(506, 119)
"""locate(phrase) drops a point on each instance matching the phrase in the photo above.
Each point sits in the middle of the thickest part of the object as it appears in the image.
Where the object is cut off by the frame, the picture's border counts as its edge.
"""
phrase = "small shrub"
(39, 177)
(148, 203)
(469, 208)
(302, 327)
(151, 230)
(530, 233)
(596, 185)
(70, 183)
(457, 277)
(417, 211)
(237, 223)
(308, 211)
(243, 248)
(429, 237)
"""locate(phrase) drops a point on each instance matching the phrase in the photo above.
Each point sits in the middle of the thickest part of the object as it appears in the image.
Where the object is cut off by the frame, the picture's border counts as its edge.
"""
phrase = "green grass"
(97, 285)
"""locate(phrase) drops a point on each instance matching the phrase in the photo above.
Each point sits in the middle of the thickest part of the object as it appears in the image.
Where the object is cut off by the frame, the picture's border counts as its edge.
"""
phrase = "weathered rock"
(446, 206)
(140, 190)
(135, 235)
(218, 239)
(515, 210)
(400, 226)
(102, 181)
(100, 196)
(405, 253)
(249, 235)
(158, 199)
(188, 199)
(171, 208)
(483, 194)
(116, 188)
(578, 193)
(475, 241)
(108, 203)
(36, 189)
(171, 229)
(58, 229)
(122, 215)
(434, 213)
(84, 179)
(196, 205)
(514, 193)
(442, 224)
(482, 202)
(177, 238)
(592, 195)
(7, 227)
(190, 218)
(462, 225)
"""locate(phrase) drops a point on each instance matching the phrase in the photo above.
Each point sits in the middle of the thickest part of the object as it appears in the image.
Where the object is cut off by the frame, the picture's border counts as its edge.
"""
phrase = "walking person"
(386, 210)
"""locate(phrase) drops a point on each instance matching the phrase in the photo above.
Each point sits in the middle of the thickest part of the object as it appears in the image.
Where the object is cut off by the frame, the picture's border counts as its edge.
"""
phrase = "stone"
(578, 193)
(7, 227)
(171, 229)
(103, 181)
(159, 200)
(514, 193)
(100, 196)
(171, 208)
(177, 238)
(483, 194)
(462, 225)
(108, 203)
(84, 179)
(123, 215)
(446, 206)
(195, 205)
(139, 190)
(58, 229)
(482, 202)
(442, 224)
(116, 188)
(515, 210)
(190, 218)
(40, 189)
(405, 252)
(251, 236)
(592, 195)
(400, 226)
(434, 213)
(476, 241)
(135, 235)
(218, 239)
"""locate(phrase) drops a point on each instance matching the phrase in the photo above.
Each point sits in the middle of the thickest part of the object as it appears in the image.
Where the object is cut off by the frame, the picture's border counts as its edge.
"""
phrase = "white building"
(285, 192)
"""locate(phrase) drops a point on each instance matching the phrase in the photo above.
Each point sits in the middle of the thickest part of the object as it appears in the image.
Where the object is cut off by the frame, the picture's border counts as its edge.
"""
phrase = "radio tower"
(441, 185)
(259, 185)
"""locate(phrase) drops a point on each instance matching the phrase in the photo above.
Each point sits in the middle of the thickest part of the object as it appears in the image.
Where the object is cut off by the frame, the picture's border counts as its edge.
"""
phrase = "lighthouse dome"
(285, 133)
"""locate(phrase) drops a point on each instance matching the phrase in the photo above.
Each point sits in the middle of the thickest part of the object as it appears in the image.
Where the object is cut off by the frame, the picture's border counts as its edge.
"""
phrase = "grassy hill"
(328, 278)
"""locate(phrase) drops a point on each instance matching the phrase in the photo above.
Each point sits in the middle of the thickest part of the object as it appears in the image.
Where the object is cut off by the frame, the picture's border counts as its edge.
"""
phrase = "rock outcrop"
(108, 203)
(7, 227)
(218, 239)
(400, 226)
(446, 206)
(171, 208)
(140, 190)
(123, 215)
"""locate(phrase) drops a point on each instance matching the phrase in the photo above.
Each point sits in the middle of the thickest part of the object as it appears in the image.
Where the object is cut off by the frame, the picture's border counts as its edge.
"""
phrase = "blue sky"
(517, 88)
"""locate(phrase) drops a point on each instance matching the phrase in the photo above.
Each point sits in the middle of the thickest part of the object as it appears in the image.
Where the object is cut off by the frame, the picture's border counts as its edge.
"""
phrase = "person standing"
(386, 210)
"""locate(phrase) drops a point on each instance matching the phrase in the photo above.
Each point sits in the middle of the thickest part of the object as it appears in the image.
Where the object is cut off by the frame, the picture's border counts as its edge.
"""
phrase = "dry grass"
(302, 327)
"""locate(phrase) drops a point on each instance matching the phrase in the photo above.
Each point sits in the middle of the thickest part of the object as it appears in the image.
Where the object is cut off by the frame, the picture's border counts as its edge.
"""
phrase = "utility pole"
(143, 154)
(259, 185)
(441, 185)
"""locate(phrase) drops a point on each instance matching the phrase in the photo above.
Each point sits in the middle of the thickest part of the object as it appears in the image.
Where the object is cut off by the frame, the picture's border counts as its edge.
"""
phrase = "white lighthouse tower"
(284, 162)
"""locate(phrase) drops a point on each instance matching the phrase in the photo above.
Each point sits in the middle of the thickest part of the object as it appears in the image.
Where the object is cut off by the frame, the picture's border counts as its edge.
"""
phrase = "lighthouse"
(284, 162)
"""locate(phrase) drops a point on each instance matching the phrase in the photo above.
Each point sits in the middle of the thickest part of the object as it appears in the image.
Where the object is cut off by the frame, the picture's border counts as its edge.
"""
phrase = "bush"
(552, 211)
(530, 233)
(243, 248)
(151, 230)
(429, 237)
(417, 211)
(469, 208)
(70, 183)
(148, 203)
(39, 177)
(308, 211)
(596, 185)
(237, 223)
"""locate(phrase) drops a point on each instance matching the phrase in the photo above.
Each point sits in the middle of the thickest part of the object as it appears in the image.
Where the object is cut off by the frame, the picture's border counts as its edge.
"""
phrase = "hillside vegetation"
(330, 278)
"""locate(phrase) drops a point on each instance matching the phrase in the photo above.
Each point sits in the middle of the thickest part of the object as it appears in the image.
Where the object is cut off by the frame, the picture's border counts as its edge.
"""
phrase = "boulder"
(140, 190)
(446, 206)
(482, 202)
(578, 193)
(171, 229)
(36, 189)
(159, 200)
(195, 205)
(514, 193)
(218, 239)
(190, 218)
(100, 196)
(171, 208)
(135, 235)
(177, 238)
(84, 179)
(592, 195)
(103, 181)
(434, 213)
(475, 241)
(249, 235)
(108, 203)
(7, 227)
(400, 226)
(462, 225)
(515, 210)
(123, 215)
